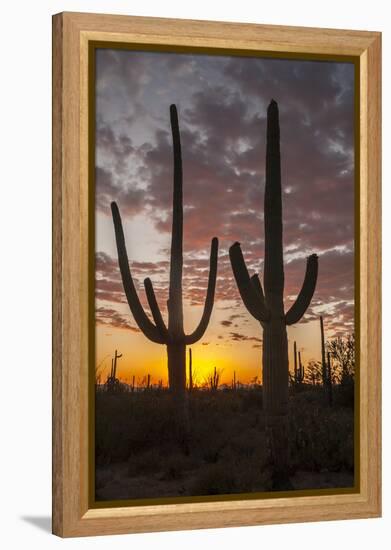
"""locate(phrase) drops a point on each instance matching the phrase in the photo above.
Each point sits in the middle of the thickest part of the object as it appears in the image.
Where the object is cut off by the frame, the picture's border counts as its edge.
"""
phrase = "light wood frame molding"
(72, 32)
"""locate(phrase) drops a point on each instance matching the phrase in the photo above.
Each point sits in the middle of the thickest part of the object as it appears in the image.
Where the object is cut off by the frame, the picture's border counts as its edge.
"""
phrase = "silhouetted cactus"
(213, 380)
(268, 307)
(112, 383)
(327, 378)
(323, 352)
(299, 371)
(116, 357)
(173, 335)
(190, 370)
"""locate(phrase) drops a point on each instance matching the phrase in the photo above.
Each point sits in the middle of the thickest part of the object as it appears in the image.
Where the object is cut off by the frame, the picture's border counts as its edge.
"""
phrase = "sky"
(221, 102)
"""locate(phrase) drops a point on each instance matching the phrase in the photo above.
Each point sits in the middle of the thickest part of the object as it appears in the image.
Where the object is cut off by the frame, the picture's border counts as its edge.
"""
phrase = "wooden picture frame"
(72, 35)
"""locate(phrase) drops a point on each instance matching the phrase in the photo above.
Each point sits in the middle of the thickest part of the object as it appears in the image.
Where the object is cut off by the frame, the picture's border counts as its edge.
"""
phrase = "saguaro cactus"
(171, 335)
(323, 352)
(112, 382)
(301, 371)
(190, 370)
(329, 380)
(116, 357)
(234, 381)
(268, 306)
(213, 380)
(298, 366)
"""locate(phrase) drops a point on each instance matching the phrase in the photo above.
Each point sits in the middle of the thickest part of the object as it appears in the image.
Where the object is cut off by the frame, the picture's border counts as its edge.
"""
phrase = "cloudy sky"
(221, 105)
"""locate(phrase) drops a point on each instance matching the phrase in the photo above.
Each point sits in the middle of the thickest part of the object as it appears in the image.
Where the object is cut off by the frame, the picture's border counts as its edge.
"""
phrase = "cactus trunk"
(190, 370)
(274, 262)
(329, 380)
(174, 304)
(275, 398)
(323, 353)
(326, 367)
(295, 360)
(176, 349)
(301, 373)
(275, 369)
(176, 361)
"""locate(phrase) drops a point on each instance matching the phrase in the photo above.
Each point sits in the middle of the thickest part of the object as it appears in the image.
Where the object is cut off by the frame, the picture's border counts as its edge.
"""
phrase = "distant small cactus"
(213, 380)
(299, 371)
(112, 382)
(327, 378)
(234, 381)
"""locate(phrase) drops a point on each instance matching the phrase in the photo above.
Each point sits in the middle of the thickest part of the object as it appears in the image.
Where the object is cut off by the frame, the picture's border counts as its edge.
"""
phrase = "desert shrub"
(246, 444)
(252, 475)
(175, 466)
(307, 396)
(102, 478)
(148, 462)
(214, 420)
(135, 435)
(321, 437)
(344, 394)
(251, 400)
(214, 479)
(232, 476)
(131, 423)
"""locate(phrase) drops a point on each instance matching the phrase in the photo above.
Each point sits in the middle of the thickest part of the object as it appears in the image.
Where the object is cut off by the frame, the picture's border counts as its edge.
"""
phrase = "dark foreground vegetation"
(138, 456)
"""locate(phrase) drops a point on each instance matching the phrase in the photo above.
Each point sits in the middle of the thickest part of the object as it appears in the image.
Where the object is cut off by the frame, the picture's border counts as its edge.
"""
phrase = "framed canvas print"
(216, 230)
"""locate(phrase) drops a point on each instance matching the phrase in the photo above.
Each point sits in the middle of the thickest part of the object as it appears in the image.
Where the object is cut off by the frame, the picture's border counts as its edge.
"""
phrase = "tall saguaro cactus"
(267, 306)
(172, 335)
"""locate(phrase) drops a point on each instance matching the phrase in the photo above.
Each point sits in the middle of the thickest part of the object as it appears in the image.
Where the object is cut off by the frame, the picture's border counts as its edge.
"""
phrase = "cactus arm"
(142, 320)
(199, 331)
(258, 287)
(155, 310)
(304, 298)
(255, 281)
(251, 299)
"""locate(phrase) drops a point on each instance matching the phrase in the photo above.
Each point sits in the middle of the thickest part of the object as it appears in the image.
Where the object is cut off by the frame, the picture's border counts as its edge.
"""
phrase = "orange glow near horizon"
(141, 357)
